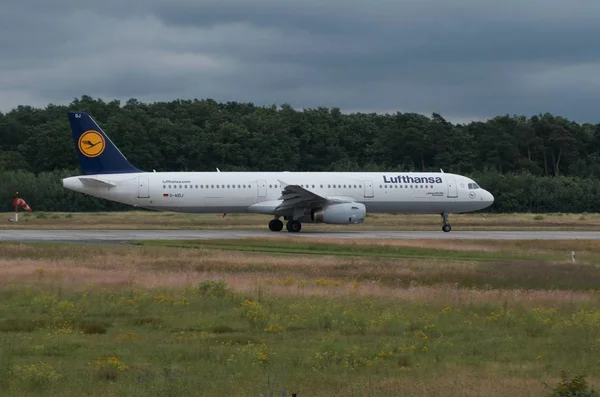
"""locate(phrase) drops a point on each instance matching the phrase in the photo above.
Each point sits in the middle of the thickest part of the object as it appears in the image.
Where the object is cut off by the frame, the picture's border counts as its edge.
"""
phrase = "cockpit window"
(473, 186)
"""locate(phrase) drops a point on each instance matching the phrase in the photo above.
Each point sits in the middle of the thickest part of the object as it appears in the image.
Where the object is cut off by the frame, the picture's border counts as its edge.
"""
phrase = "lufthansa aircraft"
(312, 197)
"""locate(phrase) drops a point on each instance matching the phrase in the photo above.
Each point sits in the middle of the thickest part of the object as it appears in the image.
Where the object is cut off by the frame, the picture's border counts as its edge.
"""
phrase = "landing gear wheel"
(446, 228)
(293, 226)
(275, 225)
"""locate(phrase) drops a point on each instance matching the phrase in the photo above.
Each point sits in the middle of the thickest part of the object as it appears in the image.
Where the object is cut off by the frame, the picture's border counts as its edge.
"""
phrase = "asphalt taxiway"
(135, 235)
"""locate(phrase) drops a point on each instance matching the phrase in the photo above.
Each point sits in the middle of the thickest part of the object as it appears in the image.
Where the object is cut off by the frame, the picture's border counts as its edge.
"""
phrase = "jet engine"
(341, 214)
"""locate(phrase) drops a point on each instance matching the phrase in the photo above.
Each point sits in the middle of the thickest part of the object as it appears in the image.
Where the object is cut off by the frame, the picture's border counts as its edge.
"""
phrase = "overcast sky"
(465, 59)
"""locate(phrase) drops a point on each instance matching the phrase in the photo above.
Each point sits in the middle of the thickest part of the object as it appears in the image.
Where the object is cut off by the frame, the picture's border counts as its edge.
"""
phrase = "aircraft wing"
(297, 196)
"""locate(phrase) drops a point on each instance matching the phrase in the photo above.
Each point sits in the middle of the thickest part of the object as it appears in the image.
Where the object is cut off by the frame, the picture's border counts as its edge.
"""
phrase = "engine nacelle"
(341, 214)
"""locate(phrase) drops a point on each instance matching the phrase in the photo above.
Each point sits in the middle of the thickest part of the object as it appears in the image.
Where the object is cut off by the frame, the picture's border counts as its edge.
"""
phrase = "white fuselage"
(260, 192)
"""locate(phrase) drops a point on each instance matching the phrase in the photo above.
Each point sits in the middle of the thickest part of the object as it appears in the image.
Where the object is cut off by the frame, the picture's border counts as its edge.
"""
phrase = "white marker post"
(16, 204)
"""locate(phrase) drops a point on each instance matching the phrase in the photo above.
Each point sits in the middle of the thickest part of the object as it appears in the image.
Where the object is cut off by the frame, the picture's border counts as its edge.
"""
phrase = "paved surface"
(132, 235)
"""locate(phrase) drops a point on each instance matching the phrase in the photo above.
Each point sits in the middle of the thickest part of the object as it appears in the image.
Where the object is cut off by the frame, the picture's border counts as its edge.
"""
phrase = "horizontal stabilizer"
(95, 182)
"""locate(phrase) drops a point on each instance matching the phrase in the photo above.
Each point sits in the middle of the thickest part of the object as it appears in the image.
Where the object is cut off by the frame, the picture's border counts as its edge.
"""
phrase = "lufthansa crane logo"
(91, 143)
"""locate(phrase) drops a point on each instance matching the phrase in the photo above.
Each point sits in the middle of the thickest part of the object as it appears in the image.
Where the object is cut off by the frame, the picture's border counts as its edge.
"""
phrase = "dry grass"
(518, 246)
(69, 275)
(149, 267)
(169, 220)
(469, 384)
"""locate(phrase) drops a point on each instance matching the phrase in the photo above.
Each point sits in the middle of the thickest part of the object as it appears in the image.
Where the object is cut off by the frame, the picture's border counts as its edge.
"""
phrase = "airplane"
(341, 198)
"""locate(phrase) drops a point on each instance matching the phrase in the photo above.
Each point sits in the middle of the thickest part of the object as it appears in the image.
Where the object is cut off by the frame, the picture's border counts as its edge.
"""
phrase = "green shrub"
(216, 288)
(222, 329)
(89, 328)
(149, 321)
(20, 325)
(574, 387)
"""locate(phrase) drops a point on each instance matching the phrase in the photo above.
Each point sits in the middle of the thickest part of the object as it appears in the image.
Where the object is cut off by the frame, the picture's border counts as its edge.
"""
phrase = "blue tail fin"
(97, 153)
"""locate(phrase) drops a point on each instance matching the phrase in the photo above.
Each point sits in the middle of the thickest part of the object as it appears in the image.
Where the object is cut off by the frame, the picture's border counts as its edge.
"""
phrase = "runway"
(134, 235)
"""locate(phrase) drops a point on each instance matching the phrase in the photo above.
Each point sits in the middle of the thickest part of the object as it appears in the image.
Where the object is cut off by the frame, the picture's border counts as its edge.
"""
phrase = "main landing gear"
(446, 228)
(275, 225)
(293, 226)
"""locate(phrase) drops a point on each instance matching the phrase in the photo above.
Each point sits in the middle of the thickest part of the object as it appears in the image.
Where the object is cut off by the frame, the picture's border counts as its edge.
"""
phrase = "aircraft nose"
(488, 197)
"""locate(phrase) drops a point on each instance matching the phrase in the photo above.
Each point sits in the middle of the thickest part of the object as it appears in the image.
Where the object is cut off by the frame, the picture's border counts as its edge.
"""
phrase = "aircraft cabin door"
(368, 189)
(452, 189)
(262, 189)
(143, 187)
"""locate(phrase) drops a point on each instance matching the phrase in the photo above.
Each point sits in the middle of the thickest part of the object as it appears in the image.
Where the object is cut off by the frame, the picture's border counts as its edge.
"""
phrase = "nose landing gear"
(446, 227)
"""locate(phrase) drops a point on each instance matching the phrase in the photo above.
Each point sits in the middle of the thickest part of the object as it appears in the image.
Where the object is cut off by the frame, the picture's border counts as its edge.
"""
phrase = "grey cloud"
(463, 59)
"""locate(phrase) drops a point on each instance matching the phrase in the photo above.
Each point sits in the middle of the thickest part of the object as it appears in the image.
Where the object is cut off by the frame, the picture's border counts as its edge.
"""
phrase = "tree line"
(542, 163)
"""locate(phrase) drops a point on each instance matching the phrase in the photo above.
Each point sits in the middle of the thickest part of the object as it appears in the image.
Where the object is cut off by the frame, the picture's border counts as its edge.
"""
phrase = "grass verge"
(158, 320)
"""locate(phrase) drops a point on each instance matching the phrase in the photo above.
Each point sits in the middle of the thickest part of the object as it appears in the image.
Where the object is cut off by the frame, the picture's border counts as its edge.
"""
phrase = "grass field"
(265, 317)
(170, 220)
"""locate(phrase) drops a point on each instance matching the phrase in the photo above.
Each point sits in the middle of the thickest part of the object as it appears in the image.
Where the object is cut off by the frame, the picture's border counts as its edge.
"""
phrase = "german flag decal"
(165, 195)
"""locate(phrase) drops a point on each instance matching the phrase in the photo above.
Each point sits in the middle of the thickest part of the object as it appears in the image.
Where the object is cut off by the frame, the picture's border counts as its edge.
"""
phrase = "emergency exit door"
(452, 189)
(143, 187)
(262, 188)
(368, 189)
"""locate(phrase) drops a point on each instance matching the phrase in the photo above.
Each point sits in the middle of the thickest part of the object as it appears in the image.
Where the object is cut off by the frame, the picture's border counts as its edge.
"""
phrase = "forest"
(538, 163)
